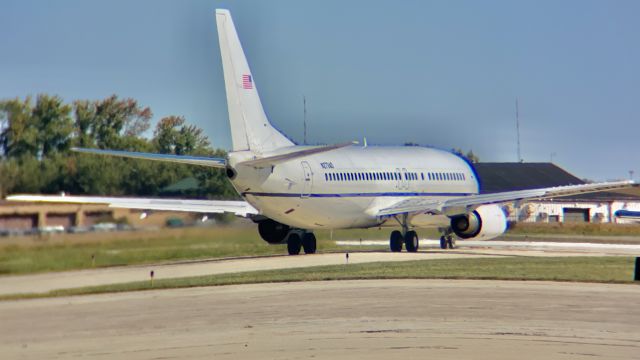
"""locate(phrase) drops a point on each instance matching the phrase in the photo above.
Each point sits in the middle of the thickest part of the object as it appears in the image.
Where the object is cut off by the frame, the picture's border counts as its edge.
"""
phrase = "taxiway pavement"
(373, 319)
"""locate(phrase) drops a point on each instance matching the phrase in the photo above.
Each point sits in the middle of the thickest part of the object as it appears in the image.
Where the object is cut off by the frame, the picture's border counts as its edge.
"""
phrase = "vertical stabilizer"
(250, 128)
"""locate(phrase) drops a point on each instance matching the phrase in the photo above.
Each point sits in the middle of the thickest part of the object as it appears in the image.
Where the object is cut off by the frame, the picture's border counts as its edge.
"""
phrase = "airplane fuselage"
(344, 188)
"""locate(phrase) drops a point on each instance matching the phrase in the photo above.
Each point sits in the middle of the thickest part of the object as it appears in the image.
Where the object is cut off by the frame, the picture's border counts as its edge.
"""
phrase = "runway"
(378, 319)
(42, 283)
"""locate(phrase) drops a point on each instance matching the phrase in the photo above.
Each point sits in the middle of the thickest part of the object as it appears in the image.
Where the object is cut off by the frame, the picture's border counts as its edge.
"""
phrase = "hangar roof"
(497, 177)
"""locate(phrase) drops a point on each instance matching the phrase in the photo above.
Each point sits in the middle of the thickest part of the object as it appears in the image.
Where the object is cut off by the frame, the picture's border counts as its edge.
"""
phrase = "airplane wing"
(183, 159)
(466, 204)
(277, 159)
(239, 208)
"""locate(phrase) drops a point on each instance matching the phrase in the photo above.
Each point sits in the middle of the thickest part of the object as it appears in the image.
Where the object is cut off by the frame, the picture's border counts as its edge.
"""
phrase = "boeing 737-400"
(290, 190)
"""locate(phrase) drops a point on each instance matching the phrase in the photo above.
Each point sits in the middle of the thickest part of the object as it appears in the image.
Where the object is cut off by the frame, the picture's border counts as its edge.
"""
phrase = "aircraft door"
(404, 180)
(307, 179)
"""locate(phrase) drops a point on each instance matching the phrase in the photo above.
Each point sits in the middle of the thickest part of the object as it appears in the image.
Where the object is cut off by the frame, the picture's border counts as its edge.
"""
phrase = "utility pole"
(304, 104)
(518, 130)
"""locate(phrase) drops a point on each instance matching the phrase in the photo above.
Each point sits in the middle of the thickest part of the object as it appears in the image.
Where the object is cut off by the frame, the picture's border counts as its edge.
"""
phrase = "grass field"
(579, 229)
(82, 251)
(575, 269)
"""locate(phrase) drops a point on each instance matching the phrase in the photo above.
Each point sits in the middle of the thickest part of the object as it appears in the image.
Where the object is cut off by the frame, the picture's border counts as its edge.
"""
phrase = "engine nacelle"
(484, 223)
(272, 231)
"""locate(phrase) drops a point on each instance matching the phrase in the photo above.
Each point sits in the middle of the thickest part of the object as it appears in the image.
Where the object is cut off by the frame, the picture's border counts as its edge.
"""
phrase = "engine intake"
(484, 223)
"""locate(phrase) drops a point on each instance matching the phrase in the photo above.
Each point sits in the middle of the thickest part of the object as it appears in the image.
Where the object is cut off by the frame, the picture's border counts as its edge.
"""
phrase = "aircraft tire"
(294, 243)
(450, 243)
(309, 243)
(395, 241)
(443, 243)
(411, 241)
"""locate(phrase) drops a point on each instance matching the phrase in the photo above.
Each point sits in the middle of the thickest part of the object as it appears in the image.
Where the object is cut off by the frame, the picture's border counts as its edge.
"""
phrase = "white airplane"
(633, 216)
(290, 190)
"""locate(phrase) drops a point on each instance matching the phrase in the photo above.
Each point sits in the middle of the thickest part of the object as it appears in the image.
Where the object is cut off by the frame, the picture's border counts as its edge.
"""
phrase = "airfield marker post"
(151, 275)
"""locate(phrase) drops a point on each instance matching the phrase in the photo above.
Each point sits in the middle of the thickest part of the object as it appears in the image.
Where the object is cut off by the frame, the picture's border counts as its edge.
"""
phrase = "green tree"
(173, 136)
(19, 135)
(35, 130)
(111, 123)
(470, 156)
(53, 120)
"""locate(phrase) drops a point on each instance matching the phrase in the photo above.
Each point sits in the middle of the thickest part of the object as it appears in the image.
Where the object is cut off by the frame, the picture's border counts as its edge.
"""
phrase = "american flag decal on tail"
(247, 82)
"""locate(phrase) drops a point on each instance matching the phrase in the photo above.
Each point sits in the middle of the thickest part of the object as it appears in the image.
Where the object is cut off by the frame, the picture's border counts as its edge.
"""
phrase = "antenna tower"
(518, 130)
(304, 104)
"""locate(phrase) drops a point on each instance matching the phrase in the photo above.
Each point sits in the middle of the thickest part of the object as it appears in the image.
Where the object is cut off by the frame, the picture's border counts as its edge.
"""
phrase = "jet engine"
(272, 231)
(484, 223)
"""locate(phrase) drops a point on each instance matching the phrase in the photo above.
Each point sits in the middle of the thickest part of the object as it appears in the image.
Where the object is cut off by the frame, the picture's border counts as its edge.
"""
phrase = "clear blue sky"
(443, 73)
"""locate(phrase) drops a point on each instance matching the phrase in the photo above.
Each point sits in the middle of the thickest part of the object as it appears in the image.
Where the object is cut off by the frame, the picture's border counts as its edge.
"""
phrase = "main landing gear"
(447, 240)
(408, 237)
(301, 239)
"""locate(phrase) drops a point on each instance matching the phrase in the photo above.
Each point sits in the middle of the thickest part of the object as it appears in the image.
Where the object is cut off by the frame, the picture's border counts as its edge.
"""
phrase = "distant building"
(593, 207)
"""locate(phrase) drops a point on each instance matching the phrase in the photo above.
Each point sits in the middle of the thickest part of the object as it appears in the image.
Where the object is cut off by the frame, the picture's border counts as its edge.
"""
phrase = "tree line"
(36, 137)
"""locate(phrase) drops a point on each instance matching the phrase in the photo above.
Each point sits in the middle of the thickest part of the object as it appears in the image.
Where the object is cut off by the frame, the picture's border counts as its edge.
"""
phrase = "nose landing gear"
(446, 240)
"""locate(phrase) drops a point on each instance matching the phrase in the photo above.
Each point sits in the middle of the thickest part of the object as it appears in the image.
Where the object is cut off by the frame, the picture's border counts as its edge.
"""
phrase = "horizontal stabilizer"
(239, 208)
(278, 159)
(182, 159)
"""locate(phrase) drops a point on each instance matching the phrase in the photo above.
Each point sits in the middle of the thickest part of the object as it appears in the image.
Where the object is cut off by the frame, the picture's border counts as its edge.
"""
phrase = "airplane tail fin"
(250, 128)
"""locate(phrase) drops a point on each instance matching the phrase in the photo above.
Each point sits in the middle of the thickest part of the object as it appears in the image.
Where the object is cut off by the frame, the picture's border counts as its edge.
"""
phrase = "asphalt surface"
(377, 319)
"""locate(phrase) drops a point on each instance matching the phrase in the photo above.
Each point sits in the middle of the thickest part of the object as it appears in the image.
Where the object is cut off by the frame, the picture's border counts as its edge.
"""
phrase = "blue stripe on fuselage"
(384, 194)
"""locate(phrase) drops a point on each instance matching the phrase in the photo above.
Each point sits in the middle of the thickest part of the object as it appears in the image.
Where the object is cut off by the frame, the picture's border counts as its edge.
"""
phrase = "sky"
(438, 73)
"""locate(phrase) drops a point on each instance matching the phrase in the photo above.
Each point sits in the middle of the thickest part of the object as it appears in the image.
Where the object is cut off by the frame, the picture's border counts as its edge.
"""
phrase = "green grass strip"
(572, 269)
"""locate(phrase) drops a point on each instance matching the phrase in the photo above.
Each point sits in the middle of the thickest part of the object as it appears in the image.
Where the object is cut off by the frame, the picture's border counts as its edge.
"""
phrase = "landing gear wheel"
(294, 243)
(309, 243)
(450, 242)
(411, 242)
(443, 243)
(395, 241)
